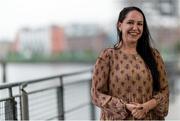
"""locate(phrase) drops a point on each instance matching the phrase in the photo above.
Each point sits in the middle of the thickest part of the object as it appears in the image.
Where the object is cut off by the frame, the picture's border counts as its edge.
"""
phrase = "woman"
(129, 81)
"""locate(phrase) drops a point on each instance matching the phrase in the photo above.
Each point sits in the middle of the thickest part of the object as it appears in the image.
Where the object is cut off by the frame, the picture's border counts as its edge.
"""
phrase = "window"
(168, 7)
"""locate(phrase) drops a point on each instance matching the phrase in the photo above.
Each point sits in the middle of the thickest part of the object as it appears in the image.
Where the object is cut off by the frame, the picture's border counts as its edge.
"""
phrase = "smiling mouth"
(133, 33)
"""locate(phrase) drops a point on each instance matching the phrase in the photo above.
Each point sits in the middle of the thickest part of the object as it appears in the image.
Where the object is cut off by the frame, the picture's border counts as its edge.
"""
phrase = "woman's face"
(132, 27)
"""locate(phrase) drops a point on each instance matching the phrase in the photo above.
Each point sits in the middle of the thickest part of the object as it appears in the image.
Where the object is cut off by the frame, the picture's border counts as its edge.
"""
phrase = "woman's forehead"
(134, 15)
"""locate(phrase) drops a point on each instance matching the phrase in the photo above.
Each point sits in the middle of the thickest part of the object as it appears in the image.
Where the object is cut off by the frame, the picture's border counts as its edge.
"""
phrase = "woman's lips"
(133, 33)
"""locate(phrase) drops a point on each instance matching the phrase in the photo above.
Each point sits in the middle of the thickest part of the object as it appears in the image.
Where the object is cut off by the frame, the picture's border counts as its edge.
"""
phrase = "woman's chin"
(133, 41)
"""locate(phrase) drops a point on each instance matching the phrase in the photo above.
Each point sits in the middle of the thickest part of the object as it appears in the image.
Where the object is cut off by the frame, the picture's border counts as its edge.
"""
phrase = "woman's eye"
(140, 24)
(130, 22)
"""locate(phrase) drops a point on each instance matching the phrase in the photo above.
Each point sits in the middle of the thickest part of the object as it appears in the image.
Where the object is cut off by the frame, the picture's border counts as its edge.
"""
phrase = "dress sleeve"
(162, 97)
(99, 89)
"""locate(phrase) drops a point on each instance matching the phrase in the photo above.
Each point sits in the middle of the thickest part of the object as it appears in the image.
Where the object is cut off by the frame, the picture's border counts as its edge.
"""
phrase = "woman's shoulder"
(107, 51)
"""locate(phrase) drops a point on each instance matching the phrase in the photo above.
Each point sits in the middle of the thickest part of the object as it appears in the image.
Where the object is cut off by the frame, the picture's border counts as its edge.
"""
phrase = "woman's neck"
(128, 48)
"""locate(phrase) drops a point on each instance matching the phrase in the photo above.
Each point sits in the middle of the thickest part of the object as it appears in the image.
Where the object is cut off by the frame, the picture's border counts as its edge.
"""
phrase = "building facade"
(44, 41)
(86, 37)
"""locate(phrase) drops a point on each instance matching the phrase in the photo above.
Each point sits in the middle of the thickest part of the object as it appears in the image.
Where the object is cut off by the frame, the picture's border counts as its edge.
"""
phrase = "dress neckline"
(134, 54)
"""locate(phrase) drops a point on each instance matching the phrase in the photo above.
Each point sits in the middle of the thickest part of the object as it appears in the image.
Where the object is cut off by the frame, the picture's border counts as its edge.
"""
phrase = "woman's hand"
(143, 109)
(130, 106)
(138, 111)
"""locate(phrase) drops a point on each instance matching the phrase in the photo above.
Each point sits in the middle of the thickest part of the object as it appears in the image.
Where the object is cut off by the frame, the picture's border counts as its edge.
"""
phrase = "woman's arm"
(161, 97)
(99, 90)
(160, 101)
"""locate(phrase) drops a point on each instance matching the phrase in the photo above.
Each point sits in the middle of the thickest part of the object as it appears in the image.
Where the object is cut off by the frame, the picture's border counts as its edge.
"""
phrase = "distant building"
(54, 39)
(82, 37)
(5, 48)
(158, 12)
(45, 41)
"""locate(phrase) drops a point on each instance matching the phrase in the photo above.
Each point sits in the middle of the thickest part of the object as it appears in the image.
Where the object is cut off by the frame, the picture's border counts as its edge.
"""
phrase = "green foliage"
(177, 47)
(14, 57)
(81, 56)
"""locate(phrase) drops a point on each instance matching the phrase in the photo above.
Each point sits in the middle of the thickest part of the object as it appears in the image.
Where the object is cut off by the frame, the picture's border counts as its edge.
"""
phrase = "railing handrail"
(58, 90)
(14, 84)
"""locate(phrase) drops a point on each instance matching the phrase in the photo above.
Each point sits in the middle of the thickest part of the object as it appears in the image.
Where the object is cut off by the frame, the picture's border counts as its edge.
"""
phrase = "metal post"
(92, 108)
(4, 71)
(60, 100)
(10, 108)
(24, 104)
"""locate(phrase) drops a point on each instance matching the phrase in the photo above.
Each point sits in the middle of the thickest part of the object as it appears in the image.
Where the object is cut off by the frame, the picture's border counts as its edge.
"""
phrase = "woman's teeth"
(133, 33)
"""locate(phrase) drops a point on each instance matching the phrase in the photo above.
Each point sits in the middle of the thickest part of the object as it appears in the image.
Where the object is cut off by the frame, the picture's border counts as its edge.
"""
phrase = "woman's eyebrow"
(135, 20)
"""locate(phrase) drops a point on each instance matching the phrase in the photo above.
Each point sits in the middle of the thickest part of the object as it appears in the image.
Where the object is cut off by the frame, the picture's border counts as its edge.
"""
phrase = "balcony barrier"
(60, 97)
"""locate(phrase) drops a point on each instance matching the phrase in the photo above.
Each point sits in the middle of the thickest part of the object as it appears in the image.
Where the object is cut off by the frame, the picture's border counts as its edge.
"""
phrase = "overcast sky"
(15, 14)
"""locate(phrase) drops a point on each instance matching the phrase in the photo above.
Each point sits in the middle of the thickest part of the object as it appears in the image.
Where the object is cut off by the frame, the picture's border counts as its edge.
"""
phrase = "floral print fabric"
(120, 78)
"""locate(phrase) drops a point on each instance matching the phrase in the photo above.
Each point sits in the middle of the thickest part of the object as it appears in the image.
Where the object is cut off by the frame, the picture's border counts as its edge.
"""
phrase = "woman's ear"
(119, 27)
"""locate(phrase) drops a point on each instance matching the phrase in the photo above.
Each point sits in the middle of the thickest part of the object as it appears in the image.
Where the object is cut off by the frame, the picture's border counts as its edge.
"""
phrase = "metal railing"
(60, 97)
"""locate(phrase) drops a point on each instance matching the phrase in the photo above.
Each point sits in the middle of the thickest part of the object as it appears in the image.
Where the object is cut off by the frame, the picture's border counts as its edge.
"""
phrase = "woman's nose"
(135, 27)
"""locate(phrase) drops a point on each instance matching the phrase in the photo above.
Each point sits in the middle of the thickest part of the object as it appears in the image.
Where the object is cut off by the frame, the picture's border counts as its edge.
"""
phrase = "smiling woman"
(129, 81)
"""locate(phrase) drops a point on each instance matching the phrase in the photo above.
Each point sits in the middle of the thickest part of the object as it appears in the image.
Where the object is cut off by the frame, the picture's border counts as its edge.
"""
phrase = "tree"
(177, 47)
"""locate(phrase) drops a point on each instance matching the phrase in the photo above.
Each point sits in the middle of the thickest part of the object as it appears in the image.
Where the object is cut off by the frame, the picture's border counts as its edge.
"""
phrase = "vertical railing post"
(10, 107)
(60, 100)
(92, 108)
(24, 103)
(4, 71)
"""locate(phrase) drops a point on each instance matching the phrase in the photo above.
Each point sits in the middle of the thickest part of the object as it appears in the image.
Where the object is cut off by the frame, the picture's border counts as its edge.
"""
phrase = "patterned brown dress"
(120, 78)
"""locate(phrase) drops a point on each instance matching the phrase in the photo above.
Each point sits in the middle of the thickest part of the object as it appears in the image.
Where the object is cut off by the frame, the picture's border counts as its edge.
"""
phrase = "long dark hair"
(143, 45)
